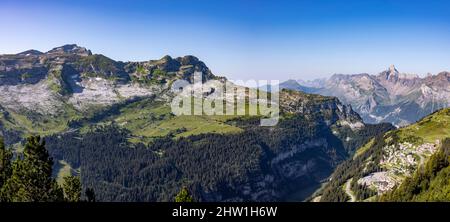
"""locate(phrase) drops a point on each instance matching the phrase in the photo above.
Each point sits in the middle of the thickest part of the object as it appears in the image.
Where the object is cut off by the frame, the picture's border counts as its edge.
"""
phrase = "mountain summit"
(392, 73)
(71, 49)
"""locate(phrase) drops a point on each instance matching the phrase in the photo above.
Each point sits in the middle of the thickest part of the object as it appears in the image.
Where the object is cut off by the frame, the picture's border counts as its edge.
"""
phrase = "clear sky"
(243, 39)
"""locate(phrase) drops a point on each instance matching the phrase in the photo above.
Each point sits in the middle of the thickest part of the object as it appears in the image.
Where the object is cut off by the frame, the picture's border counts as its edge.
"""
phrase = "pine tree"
(72, 188)
(90, 195)
(5, 166)
(184, 196)
(5, 163)
(31, 178)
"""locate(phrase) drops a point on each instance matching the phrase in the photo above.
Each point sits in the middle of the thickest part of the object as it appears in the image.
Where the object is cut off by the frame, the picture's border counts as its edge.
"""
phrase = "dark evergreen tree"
(31, 179)
(90, 195)
(5, 166)
(184, 196)
(72, 188)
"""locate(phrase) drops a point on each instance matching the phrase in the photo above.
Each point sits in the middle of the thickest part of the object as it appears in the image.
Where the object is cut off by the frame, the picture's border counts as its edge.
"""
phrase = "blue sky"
(243, 39)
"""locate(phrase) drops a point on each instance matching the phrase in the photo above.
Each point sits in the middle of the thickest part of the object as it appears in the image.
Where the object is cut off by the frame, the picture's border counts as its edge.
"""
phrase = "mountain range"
(110, 122)
(390, 96)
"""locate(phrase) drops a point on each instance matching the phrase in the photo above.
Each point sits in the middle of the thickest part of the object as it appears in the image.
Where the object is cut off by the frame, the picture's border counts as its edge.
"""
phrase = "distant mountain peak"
(315, 83)
(392, 73)
(392, 69)
(291, 81)
(70, 49)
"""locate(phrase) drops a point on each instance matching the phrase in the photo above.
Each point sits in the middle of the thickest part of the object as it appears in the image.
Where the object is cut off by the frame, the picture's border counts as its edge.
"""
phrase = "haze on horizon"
(243, 39)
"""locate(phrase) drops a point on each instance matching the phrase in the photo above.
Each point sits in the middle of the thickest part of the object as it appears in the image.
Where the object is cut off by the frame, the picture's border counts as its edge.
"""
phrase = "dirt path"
(422, 160)
(349, 191)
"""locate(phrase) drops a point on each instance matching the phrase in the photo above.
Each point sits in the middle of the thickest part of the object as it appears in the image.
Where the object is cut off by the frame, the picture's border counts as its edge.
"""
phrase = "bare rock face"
(31, 97)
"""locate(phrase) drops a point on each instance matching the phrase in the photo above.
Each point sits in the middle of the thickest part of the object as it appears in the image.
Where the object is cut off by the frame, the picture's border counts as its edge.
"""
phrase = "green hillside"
(389, 161)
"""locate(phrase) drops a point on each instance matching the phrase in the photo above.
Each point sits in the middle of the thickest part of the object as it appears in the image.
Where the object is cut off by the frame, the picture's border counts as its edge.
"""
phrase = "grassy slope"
(192, 124)
(144, 119)
(36, 124)
(147, 119)
(431, 128)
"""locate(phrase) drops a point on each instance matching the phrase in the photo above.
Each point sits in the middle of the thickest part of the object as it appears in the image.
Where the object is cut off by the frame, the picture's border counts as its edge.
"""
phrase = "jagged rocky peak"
(390, 74)
(167, 64)
(71, 49)
(442, 80)
(184, 66)
(170, 64)
(392, 69)
(188, 60)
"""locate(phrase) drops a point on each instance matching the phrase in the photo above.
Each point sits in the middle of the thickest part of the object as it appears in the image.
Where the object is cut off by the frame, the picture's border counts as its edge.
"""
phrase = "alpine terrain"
(111, 123)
